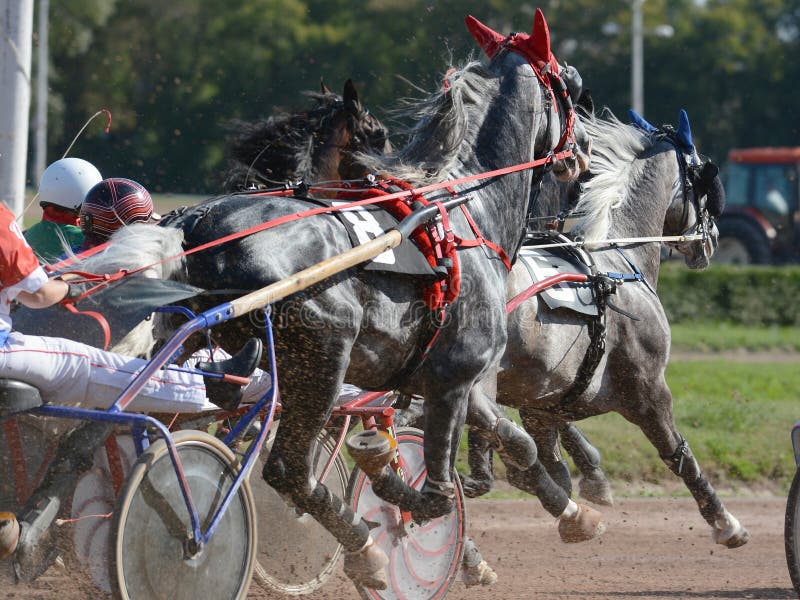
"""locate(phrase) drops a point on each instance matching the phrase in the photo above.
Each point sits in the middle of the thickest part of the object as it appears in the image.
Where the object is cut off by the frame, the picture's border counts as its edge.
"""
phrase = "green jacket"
(46, 242)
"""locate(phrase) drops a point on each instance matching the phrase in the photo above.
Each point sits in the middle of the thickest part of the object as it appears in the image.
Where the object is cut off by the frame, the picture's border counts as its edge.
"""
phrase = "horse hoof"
(729, 532)
(585, 525)
(474, 488)
(480, 574)
(597, 491)
(367, 567)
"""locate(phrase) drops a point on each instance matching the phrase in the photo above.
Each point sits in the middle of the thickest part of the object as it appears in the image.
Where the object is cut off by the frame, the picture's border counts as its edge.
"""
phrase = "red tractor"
(761, 221)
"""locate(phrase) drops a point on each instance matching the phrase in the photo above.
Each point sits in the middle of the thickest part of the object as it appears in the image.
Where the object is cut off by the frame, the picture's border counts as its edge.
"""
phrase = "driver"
(71, 373)
(62, 189)
(112, 204)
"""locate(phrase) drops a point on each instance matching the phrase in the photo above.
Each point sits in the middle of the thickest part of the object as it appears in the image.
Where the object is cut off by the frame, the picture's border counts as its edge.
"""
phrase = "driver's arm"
(51, 292)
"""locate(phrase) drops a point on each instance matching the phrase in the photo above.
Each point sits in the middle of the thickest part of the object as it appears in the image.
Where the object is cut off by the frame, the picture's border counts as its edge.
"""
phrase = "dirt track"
(654, 548)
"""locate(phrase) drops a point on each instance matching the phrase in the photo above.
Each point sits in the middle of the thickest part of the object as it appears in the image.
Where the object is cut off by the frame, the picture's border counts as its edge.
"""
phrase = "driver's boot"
(220, 389)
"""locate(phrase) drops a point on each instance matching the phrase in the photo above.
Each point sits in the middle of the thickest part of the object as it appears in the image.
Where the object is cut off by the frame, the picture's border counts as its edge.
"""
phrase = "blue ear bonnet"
(638, 121)
(683, 135)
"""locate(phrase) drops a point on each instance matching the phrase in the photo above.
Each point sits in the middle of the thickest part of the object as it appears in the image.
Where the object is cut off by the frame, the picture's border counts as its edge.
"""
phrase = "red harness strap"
(101, 320)
(482, 241)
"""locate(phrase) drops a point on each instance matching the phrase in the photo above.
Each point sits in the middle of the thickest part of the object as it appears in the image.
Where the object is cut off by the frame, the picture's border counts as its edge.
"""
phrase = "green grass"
(722, 337)
(737, 418)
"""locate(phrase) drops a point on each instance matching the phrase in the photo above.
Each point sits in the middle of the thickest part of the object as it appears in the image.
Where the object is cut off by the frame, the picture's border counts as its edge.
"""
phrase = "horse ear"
(487, 38)
(684, 133)
(325, 89)
(586, 103)
(351, 102)
(639, 122)
(540, 36)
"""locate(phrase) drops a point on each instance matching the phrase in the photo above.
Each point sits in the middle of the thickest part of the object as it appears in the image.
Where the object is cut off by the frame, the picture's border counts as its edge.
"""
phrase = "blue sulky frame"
(140, 423)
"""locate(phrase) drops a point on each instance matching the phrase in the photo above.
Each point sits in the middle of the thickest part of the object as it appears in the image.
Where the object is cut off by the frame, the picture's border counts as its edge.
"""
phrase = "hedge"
(746, 295)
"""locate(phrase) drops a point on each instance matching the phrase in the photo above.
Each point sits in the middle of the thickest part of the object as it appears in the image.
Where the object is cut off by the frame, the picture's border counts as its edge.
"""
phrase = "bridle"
(696, 173)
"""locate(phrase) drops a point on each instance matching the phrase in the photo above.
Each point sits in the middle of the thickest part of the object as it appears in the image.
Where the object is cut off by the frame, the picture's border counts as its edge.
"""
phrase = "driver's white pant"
(74, 374)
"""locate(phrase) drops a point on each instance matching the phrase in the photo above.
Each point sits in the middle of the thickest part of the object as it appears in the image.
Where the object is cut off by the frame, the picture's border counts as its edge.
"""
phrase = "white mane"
(615, 147)
(132, 247)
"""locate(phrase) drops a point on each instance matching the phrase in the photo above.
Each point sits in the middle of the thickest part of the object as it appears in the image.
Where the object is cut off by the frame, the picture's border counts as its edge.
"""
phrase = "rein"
(611, 242)
(104, 280)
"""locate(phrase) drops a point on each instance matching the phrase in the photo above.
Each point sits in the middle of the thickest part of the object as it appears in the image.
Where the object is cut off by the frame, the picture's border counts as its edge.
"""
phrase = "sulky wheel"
(791, 533)
(296, 555)
(94, 497)
(150, 558)
(423, 557)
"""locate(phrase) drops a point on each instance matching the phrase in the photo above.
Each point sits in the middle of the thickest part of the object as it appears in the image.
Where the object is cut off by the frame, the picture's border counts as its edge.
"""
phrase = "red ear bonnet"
(539, 40)
(535, 47)
(487, 38)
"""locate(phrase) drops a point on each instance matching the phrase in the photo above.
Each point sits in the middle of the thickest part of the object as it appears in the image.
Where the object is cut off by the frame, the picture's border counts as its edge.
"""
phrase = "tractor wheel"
(741, 243)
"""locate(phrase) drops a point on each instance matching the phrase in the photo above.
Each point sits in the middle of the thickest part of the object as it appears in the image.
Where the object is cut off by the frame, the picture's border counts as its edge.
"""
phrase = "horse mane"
(443, 121)
(280, 147)
(615, 146)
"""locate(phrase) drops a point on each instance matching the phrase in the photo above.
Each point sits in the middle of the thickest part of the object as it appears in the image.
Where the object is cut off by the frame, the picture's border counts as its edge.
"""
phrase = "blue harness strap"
(635, 276)
(4, 337)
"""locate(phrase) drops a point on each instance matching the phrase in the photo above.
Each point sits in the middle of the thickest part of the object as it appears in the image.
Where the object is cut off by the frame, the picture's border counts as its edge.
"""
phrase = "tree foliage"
(172, 73)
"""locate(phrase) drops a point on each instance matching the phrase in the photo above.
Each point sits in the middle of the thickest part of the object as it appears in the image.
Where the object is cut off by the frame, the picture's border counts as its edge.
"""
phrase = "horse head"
(354, 129)
(563, 83)
(313, 145)
(699, 198)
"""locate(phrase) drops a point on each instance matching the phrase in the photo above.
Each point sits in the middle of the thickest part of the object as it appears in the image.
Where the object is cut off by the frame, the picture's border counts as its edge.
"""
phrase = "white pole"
(637, 57)
(16, 31)
(42, 67)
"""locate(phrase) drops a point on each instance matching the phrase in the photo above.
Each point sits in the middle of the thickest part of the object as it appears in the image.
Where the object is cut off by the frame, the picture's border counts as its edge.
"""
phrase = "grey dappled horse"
(364, 327)
(644, 182)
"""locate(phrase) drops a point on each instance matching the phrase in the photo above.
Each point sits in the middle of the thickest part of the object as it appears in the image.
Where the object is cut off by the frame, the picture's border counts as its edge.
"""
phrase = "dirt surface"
(654, 548)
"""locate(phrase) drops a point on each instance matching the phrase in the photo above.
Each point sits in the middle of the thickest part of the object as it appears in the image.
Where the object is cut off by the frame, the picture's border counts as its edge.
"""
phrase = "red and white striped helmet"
(112, 204)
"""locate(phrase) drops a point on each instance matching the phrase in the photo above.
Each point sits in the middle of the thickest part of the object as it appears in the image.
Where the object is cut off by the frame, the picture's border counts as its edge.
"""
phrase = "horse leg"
(288, 471)
(409, 412)
(479, 457)
(444, 419)
(593, 484)
(482, 417)
(36, 549)
(525, 471)
(658, 425)
(544, 430)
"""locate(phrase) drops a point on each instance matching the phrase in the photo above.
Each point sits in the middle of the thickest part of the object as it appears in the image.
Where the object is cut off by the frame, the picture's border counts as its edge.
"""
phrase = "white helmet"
(66, 182)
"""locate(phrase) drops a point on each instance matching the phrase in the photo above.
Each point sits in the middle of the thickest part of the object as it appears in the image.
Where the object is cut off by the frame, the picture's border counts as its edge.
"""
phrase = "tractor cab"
(761, 221)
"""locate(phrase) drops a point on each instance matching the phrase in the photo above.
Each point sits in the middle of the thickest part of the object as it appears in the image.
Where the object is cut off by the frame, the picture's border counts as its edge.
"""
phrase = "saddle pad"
(543, 262)
(365, 223)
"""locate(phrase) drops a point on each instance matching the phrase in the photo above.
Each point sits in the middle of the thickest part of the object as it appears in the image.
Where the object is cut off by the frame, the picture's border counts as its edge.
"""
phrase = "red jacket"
(17, 260)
